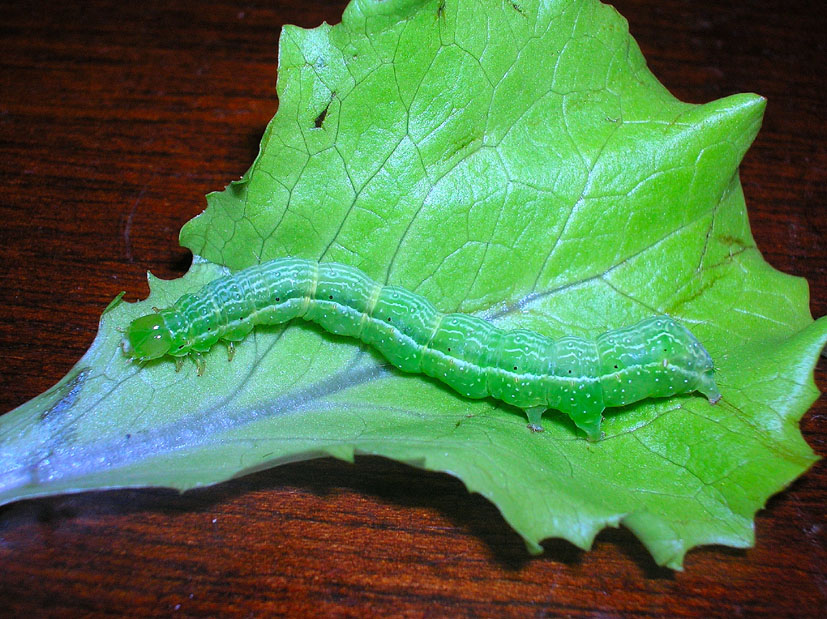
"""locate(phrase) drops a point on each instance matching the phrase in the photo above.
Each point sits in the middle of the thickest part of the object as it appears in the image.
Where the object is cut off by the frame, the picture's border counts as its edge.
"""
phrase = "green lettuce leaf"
(515, 160)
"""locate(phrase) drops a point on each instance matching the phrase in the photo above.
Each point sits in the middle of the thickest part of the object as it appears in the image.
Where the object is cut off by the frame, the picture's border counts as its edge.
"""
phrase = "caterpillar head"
(147, 338)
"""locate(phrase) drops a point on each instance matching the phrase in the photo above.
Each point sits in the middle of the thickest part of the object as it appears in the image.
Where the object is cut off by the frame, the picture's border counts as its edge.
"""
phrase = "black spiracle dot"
(515, 367)
(330, 297)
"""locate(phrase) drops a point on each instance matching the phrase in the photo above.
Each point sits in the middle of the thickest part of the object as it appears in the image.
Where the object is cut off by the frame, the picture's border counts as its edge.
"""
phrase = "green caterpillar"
(654, 358)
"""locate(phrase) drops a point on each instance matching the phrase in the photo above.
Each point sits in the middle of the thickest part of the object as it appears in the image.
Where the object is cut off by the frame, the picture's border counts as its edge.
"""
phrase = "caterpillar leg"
(535, 414)
(589, 422)
(200, 364)
(230, 351)
(179, 363)
(710, 390)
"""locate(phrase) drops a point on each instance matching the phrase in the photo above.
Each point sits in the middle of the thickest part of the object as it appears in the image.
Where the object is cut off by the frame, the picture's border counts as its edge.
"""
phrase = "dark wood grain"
(116, 118)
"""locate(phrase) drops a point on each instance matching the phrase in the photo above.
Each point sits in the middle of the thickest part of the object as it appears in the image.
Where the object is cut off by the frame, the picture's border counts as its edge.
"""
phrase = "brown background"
(117, 117)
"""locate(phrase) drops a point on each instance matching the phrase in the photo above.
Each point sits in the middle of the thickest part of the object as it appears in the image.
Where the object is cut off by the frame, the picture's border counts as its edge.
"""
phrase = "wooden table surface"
(117, 117)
